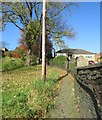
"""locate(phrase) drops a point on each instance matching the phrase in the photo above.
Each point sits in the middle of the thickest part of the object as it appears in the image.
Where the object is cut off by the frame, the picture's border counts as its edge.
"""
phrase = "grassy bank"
(9, 63)
(24, 94)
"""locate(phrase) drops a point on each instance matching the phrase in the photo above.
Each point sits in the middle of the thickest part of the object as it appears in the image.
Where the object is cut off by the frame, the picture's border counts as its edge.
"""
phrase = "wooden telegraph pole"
(43, 43)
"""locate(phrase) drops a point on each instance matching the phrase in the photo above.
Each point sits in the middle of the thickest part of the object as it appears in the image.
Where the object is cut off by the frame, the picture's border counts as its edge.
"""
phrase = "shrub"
(33, 60)
(11, 64)
(10, 54)
(59, 61)
(5, 54)
(21, 50)
(24, 57)
(15, 55)
(72, 66)
(100, 59)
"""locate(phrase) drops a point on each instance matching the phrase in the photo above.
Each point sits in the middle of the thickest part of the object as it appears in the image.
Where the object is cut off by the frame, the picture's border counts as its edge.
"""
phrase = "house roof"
(4, 49)
(74, 51)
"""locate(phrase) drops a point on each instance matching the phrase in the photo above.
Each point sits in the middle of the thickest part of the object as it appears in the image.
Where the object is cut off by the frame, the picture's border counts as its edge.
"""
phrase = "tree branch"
(15, 24)
(30, 7)
(58, 12)
(41, 18)
(12, 21)
(35, 10)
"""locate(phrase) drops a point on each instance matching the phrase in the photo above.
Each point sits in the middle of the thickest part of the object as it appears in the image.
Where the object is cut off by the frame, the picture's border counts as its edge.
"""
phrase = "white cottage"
(90, 56)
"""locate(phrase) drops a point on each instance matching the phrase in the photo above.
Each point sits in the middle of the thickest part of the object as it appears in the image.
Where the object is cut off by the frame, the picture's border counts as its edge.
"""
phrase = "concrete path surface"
(64, 103)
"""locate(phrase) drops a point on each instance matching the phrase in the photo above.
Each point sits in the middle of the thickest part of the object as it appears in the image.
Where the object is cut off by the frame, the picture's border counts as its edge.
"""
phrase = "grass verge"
(25, 95)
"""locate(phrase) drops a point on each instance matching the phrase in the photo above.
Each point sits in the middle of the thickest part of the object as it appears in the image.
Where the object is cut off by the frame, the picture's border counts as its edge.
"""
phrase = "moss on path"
(64, 103)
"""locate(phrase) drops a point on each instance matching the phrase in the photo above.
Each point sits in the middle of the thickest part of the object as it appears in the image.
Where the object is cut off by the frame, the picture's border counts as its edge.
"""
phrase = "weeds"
(24, 96)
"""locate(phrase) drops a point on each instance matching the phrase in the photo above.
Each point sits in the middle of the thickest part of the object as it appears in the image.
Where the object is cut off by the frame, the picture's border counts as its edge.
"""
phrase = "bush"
(16, 55)
(24, 57)
(72, 66)
(10, 54)
(59, 61)
(33, 60)
(100, 59)
(6, 53)
(11, 64)
(20, 50)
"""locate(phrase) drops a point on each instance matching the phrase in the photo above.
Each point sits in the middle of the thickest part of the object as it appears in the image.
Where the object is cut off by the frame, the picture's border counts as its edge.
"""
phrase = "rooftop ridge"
(75, 51)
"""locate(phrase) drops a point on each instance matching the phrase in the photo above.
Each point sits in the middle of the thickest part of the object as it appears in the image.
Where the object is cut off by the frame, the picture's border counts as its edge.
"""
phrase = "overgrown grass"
(25, 95)
(11, 63)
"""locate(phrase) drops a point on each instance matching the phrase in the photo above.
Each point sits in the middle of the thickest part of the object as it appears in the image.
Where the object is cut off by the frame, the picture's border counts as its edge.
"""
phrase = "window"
(88, 56)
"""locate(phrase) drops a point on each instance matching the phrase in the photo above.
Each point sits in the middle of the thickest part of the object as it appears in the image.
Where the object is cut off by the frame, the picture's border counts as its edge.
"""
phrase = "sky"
(85, 20)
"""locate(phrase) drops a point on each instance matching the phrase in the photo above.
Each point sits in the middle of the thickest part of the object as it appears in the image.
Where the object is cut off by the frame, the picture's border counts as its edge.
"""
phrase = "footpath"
(64, 103)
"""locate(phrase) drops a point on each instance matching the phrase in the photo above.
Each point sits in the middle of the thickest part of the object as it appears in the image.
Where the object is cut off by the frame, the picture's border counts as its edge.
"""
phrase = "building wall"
(86, 56)
(4, 49)
(61, 54)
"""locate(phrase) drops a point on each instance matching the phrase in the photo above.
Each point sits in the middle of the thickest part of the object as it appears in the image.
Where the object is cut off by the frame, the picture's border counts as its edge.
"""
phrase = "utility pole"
(43, 43)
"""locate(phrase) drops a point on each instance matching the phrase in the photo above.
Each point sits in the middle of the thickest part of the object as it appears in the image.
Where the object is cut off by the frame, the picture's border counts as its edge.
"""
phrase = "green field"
(25, 95)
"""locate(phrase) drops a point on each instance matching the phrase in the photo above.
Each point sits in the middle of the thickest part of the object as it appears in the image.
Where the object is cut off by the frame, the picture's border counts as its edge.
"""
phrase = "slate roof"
(74, 51)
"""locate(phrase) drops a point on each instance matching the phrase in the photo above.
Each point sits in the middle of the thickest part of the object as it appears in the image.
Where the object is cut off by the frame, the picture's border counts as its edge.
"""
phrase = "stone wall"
(88, 90)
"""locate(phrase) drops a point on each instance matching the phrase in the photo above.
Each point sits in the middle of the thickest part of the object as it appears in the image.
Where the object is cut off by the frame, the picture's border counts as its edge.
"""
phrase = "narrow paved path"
(65, 105)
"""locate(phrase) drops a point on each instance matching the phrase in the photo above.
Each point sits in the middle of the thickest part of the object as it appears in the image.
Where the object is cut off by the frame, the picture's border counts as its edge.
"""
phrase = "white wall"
(61, 54)
(86, 56)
